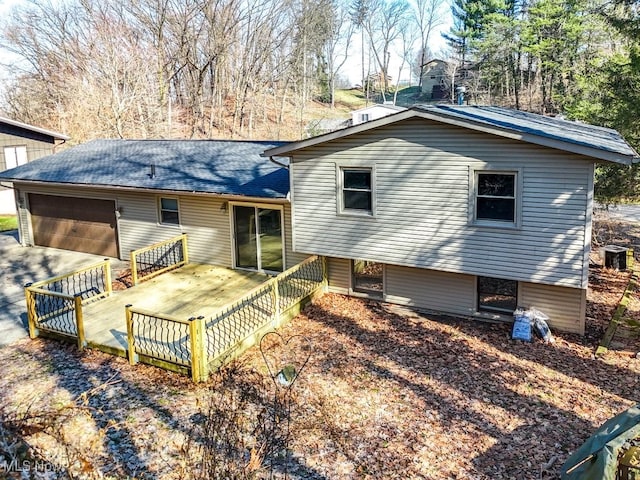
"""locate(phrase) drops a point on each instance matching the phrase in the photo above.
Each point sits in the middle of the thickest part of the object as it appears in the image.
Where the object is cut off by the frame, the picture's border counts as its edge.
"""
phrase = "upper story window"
(364, 117)
(495, 198)
(357, 190)
(169, 211)
(14, 156)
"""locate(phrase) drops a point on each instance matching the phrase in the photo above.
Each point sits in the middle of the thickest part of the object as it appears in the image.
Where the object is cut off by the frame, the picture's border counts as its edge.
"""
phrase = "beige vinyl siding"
(23, 218)
(292, 258)
(431, 289)
(422, 204)
(564, 306)
(339, 274)
(205, 219)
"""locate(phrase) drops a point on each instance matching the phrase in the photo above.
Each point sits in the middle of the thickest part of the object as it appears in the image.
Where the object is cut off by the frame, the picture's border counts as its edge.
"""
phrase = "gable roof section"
(579, 138)
(13, 127)
(195, 166)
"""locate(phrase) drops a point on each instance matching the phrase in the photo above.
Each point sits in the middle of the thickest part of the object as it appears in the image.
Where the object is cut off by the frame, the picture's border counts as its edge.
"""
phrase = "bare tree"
(337, 46)
(384, 24)
(428, 14)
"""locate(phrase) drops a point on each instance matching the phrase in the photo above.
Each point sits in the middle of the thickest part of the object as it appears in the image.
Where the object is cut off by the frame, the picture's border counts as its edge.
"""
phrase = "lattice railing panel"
(159, 257)
(299, 282)
(86, 283)
(239, 320)
(162, 338)
(54, 313)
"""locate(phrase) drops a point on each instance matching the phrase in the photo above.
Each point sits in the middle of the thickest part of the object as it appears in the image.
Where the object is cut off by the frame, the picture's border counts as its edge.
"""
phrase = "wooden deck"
(189, 291)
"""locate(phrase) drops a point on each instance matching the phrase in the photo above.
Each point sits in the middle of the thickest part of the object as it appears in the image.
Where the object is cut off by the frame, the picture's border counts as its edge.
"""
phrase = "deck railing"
(200, 344)
(158, 258)
(240, 325)
(159, 339)
(55, 305)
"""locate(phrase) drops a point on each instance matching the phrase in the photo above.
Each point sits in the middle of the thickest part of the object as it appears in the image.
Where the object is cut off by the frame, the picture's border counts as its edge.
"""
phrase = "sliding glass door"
(258, 238)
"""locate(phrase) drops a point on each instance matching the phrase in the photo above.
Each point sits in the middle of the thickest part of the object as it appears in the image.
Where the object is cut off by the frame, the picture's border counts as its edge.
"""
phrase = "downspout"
(271, 159)
(56, 145)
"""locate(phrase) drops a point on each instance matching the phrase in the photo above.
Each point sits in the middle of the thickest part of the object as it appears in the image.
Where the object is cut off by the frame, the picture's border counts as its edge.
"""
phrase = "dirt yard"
(387, 393)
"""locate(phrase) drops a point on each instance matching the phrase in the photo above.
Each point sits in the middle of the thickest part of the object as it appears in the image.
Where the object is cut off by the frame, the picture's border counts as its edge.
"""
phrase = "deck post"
(79, 321)
(107, 276)
(198, 353)
(134, 267)
(325, 277)
(130, 340)
(185, 249)
(276, 301)
(33, 331)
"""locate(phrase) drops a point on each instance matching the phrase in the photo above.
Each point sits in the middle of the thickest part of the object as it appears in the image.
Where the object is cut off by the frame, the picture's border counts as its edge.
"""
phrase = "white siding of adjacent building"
(422, 172)
(205, 219)
(15, 150)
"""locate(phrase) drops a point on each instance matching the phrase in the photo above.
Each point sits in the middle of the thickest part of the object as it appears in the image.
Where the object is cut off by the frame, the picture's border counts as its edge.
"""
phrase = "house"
(464, 210)
(435, 80)
(22, 143)
(373, 112)
(109, 197)
(325, 125)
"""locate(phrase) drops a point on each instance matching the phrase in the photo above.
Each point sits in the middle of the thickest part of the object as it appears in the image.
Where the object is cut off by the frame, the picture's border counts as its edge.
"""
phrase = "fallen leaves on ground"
(387, 393)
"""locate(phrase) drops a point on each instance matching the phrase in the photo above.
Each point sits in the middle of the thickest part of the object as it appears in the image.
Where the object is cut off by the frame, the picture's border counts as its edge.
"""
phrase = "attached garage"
(72, 223)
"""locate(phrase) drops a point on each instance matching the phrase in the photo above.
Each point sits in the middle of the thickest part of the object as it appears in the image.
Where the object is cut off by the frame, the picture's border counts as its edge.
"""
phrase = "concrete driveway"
(628, 213)
(20, 265)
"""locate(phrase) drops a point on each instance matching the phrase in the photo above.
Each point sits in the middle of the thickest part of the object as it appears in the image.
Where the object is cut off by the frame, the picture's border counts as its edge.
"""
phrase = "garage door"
(80, 224)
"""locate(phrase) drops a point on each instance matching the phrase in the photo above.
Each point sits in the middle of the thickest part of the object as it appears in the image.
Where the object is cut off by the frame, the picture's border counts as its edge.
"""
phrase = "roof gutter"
(273, 160)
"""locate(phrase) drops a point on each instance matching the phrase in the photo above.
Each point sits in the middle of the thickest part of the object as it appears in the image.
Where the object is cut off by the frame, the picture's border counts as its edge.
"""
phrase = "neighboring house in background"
(464, 210)
(109, 197)
(434, 80)
(373, 112)
(325, 125)
(21, 143)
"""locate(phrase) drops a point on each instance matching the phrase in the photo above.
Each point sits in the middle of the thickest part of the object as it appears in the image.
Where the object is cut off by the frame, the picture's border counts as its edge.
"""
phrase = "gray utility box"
(615, 257)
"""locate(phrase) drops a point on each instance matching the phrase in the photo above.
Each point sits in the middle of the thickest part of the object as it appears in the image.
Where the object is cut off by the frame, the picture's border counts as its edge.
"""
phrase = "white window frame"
(517, 198)
(340, 169)
(160, 210)
(364, 117)
(18, 155)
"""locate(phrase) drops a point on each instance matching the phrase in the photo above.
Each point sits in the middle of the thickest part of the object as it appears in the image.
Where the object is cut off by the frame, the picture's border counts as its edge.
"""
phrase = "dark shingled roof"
(600, 138)
(205, 166)
(595, 142)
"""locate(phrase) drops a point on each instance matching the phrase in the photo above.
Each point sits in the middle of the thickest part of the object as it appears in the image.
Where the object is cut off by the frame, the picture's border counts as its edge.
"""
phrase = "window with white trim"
(356, 190)
(169, 211)
(14, 156)
(495, 197)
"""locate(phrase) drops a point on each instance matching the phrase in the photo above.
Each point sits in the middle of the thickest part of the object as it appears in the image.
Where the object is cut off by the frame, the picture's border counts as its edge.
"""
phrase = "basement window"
(497, 295)
(169, 212)
(368, 277)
